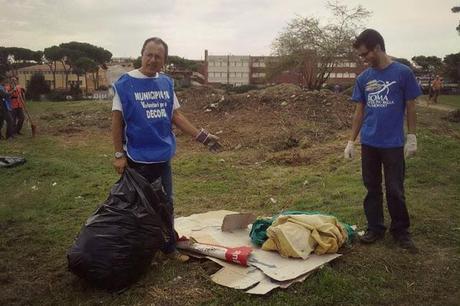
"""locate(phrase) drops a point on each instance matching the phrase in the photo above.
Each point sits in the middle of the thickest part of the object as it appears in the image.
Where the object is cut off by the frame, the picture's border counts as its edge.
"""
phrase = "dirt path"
(422, 101)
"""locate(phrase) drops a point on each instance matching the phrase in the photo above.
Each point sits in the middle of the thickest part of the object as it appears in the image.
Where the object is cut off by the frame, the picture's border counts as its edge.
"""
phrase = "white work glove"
(411, 145)
(209, 140)
(349, 152)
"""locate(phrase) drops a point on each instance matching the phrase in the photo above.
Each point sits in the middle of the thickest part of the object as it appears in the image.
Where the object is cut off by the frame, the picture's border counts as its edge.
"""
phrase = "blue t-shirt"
(147, 112)
(385, 92)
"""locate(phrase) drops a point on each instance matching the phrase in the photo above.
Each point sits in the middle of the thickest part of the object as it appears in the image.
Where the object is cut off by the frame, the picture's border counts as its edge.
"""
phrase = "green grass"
(38, 224)
(451, 100)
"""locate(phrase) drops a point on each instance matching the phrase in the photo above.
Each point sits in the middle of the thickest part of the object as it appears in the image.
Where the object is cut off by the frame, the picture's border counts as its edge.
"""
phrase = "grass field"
(450, 100)
(68, 174)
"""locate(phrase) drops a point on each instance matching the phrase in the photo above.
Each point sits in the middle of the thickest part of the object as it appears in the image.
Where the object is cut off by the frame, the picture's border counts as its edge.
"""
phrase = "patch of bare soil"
(276, 119)
(281, 121)
(74, 122)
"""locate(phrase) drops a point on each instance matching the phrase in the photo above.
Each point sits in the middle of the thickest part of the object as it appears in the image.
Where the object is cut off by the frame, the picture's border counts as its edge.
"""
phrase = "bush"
(37, 86)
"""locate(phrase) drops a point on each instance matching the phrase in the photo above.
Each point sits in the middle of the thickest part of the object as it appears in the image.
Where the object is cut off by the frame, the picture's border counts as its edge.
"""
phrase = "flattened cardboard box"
(266, 270)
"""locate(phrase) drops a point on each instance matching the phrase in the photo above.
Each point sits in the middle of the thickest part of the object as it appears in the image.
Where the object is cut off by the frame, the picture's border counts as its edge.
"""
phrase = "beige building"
(24, 75)
(228, 69)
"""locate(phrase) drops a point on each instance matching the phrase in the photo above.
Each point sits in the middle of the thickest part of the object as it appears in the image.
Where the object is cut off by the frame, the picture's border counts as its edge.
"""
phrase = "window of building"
(353, 65)
(332, 75)
(339, 75)
(352, 75)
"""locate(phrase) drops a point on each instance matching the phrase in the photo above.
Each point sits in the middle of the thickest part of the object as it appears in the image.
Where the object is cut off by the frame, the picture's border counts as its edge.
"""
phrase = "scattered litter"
(222, 160)
(79, 197)
(54, 184)
(208, 110)
(34, 188)
(265, 270)
(11, 161)
(218, 132)
(238, 146)
(284, 103)
(360, 233)
(237, 221)
(305, 183)
(273, 200)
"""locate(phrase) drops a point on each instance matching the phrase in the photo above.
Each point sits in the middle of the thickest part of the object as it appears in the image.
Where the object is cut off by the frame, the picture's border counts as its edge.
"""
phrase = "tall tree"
(53, 55)
(429, 65)
(452, 67)
(314, 50)
(13, 58)
(4, 66)
(99, 55)
(83, 66)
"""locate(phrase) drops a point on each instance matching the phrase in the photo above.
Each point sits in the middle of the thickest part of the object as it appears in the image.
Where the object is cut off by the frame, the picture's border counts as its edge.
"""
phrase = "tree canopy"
(428, 64)
(452, 67)
(12, 58)
(312, 49)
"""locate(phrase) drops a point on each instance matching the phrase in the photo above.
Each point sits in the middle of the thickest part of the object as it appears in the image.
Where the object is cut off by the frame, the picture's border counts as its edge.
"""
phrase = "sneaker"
(371, 237)
(405, 242)
(176, 255)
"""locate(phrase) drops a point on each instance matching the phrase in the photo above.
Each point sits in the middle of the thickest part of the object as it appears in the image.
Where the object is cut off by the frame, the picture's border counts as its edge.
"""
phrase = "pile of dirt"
(276, 118)
(283, 122)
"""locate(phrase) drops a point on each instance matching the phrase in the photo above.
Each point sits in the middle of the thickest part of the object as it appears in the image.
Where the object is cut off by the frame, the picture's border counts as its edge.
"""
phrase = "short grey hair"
(158, 41)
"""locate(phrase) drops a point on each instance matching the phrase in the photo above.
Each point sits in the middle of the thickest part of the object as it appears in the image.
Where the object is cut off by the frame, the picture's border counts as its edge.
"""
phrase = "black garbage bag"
(117, 243)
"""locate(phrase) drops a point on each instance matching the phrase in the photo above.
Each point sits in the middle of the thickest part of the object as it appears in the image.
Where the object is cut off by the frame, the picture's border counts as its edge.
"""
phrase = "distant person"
(145, 107)
(5, 110)
(337, 88)
(383, 92)
(419, 82)
(436, 86)
(17, 93)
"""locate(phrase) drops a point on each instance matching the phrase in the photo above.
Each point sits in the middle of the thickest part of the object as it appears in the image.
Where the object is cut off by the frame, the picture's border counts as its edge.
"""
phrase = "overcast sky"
(410, 27)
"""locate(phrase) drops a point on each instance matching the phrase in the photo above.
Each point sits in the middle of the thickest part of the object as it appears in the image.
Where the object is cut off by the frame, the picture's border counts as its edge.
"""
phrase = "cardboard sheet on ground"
(266, 270)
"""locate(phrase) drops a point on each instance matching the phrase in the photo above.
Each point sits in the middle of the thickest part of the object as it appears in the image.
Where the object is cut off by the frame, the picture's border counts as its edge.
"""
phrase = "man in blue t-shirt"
(383, 93)
(144, 109)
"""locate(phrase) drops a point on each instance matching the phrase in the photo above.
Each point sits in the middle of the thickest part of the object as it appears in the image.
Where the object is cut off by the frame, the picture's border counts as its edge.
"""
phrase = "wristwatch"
(119, 155)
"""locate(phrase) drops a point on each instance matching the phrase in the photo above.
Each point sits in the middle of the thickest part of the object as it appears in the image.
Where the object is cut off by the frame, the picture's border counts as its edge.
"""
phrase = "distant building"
(245, 69)
(227, 69)
(59, 82)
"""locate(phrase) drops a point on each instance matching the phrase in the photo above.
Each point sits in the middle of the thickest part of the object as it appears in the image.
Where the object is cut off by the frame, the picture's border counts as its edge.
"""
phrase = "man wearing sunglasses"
(383, 93)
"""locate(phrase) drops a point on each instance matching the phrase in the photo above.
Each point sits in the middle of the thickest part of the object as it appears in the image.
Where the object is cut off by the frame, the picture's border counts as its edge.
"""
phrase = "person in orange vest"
(436, 86)
(17, 93)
